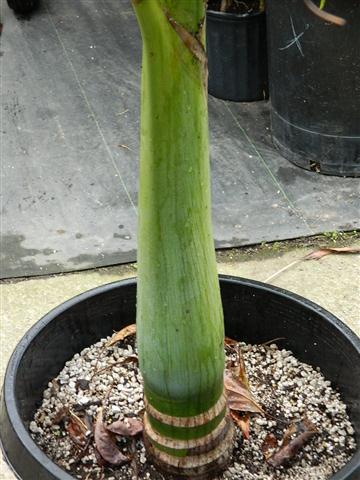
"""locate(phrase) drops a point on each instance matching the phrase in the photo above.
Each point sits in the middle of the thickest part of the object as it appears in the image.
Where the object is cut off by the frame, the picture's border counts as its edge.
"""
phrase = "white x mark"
(295, 39)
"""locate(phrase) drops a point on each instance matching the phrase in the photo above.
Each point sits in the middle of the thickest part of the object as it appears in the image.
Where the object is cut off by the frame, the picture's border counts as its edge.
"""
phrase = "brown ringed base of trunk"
(202, 466)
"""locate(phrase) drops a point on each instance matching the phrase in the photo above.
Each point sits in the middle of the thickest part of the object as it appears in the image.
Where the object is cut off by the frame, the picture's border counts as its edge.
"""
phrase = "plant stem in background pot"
(179, 311)
(236, 6)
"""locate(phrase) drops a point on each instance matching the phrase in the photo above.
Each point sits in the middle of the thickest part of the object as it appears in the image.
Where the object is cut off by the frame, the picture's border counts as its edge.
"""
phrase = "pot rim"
(8, 390)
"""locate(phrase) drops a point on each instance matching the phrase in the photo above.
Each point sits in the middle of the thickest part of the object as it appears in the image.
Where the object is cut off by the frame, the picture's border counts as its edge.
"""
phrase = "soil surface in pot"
(101, 388)
(235, 6)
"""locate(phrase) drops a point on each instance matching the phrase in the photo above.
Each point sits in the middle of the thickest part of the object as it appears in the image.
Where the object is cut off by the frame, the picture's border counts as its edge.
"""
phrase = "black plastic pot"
(314, 75)
(23, 6)
(254, 312)
(236, 47)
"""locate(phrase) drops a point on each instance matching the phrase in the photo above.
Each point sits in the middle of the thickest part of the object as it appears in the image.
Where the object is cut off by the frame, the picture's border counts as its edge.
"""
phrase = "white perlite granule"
(287, 389)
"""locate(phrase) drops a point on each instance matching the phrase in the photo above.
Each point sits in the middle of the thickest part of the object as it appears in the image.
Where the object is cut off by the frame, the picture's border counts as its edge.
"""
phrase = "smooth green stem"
(179, 313)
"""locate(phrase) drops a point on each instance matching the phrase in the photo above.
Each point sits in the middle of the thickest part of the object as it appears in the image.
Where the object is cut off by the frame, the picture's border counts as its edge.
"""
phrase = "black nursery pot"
(254, 312)
(23, 6)
(314, 75)
(237, 56)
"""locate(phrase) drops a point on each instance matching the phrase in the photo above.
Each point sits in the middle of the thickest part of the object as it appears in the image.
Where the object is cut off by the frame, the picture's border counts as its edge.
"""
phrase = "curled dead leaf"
(229, 342)
(100, 460)
(242, 370)
(130, 359)
(129, 427)
(122, 334)
(322, 252)
(237, 367)
(316, 255)
(269, 445)
(239, 397)
(77, 429)
(328, 17)
(106, 443)
(243, 422)
(191, 41)
(134, 463)
(75, 433)
(122, 145)
(295, 437)
(61, 415)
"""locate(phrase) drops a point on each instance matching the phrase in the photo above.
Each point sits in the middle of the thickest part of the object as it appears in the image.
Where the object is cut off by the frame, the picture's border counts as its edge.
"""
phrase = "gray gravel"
(287, 389)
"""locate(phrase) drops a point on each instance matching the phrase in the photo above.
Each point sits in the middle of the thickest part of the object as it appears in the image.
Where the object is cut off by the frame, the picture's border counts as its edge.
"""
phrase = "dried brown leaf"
(243, 422)
(328, 17)
(239, 397)
(130, 359)
(134, 464)
(77, 430)
(269, 444)
(242, 369)
(191, 41)
(61, 415)
(230, 342)
(322, 252)
(84, 449)
(237, 367)
(128, 427)
(303, 432)
(106, 443)
(289, 432)
(100, 460)
(124, 146)
(87, 419)
(122, 334)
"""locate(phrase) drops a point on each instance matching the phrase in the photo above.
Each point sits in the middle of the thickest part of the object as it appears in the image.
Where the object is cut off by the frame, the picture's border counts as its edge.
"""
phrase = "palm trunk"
(179, 313)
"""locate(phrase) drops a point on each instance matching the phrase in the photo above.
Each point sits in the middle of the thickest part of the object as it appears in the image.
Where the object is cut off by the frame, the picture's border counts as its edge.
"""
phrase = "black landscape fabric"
(70, 145)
